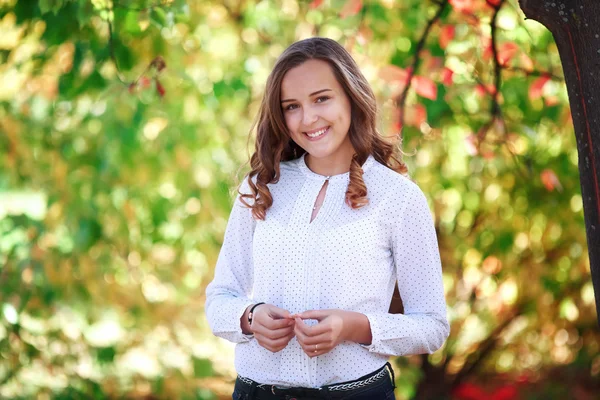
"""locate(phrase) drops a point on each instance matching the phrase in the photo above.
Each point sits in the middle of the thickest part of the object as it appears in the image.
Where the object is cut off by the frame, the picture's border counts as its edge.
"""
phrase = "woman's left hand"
(321, 338)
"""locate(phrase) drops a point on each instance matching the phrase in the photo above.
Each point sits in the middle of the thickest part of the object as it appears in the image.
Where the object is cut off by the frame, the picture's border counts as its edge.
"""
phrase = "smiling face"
(317, 112)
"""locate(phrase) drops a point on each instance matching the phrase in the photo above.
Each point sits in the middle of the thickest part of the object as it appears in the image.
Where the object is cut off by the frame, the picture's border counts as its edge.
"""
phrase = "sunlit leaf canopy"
(117, 177)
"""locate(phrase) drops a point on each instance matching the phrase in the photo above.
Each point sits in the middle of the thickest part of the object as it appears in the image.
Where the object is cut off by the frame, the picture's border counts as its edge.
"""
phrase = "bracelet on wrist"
(251, 313)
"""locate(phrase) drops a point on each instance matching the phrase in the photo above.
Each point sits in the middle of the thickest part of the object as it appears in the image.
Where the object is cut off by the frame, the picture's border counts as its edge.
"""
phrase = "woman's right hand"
(272, 326)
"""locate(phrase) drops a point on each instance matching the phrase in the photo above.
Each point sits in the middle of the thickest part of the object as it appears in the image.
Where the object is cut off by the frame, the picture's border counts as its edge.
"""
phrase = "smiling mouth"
(316, 134)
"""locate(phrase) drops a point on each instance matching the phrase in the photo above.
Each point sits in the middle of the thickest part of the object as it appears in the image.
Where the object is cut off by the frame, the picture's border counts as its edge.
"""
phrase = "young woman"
(324, 226)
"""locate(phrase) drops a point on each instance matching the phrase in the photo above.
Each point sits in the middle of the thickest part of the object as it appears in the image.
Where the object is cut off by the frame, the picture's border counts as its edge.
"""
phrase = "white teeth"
(317, 133)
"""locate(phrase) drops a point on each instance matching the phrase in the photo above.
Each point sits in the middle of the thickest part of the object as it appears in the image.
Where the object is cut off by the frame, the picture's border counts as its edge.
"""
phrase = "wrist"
(251, 312)
(359, 328)
(246, 320)
(246, 328)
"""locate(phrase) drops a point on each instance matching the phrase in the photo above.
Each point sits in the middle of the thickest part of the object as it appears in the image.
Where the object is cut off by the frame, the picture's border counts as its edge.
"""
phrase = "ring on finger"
(316, 348)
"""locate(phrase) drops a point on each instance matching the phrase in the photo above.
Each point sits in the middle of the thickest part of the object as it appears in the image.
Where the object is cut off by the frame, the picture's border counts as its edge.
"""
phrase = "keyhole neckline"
(344, 177)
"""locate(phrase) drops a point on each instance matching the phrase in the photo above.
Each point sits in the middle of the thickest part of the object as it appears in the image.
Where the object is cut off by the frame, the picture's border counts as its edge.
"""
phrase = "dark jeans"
(380, 390)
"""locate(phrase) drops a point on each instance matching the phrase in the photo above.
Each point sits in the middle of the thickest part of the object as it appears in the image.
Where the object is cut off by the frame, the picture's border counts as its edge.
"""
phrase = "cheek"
(343, 111)
(292, 122)
(288, 121)
(337, 113)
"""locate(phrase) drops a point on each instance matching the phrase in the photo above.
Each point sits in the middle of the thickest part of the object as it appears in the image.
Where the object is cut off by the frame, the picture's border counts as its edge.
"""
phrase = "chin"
(319, 153)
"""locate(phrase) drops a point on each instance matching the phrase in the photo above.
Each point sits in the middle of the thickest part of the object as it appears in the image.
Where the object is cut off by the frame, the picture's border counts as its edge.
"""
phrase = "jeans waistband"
(266, 391)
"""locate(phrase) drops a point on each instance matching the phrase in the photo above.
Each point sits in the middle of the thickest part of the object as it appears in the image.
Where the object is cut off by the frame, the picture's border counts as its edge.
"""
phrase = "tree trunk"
(575, 25)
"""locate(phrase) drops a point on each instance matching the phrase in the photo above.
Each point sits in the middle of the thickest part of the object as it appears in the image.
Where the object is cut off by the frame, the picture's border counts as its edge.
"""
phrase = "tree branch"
(401, 101)
(528, 72)
(147, 8)
(496, 111)
(484, 348)
(111, 49)
(158, 62)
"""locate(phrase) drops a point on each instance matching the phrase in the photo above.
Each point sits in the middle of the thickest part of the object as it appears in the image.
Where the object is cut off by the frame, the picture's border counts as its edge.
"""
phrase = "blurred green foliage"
(117, 178)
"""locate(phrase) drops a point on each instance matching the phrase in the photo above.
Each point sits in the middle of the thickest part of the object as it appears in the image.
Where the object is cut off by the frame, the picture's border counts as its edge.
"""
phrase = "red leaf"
(469, 391)
(430, 63)
(391, 73)
(488, 155)
(364, 35)
(483, 91)
(504, 393)
(465, 6)
(352, 7)
(446, 35)
(144, 82)
(447, 75)
(506, 52)
(493, 3)
(315, 4)
(486, 43)
(526, 62)
(471, 145)
(160, 89)
(425, 87)
(551, 101)
(550, 180)
(415, 115)
(537, 87)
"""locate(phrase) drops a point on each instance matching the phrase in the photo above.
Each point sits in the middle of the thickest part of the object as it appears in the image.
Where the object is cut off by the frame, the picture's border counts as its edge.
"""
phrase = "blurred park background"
(124, 131)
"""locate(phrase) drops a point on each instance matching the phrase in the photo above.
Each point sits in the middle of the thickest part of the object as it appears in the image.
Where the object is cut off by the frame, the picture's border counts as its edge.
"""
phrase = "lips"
(317, 133)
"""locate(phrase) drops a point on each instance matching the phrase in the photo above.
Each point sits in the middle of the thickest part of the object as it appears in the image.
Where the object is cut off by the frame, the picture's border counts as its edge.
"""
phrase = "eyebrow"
(310, 95)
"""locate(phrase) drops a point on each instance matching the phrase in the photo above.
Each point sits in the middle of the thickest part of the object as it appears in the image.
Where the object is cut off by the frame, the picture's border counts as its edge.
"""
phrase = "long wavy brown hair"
(274, 144)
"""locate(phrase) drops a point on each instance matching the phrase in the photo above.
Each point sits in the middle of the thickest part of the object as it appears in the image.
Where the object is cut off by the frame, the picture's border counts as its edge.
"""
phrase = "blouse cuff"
(230, 328)
(243, 336)
(375, 334)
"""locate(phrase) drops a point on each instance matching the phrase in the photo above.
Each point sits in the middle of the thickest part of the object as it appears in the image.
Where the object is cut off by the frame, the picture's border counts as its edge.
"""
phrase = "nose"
(309, 117)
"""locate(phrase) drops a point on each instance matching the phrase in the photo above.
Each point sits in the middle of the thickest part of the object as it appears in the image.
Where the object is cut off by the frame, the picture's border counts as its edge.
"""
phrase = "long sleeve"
(423, 328)
(227, 296)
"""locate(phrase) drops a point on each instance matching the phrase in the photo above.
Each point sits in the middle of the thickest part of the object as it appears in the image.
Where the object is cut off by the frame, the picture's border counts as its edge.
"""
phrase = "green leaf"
(89, 232)
(53, 6)
(129, 20)
(106, 355)
(85, 12)
(158, 16)
(202, 367)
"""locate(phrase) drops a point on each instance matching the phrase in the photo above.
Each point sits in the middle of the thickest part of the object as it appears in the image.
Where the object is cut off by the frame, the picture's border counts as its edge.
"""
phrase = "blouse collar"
(333, 178)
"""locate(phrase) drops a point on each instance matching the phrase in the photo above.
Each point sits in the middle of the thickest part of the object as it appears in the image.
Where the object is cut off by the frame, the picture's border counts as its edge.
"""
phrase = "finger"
(273, 345)
(311, 352)
(279, 333)
(300, 336)
(311, 330)
(272, 333)
(278, 313)
(323, 338)
(314, 314)
(273, 324)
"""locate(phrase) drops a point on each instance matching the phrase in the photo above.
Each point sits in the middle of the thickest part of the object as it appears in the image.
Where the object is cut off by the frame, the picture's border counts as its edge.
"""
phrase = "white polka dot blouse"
(345, 258)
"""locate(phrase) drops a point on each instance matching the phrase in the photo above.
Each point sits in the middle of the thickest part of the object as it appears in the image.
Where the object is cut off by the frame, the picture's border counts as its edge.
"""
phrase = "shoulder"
(244, 187)
(243, 190)
(289, 169)
(393, 185)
